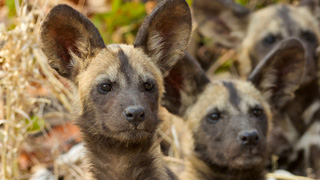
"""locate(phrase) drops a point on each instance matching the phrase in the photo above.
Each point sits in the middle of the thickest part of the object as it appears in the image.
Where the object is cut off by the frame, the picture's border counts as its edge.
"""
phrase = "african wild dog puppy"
(254, 35)
(118, 87)
(229, 124)
(230, 120)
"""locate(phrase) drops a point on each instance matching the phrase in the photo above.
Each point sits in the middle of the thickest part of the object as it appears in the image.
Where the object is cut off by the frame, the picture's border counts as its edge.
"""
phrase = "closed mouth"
(248, 160)
(252, 152)
(249, 155)
(135, 131)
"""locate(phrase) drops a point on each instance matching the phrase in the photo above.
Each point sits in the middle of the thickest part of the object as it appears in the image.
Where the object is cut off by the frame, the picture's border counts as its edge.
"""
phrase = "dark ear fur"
(223, 21)
(281, 72)
(65, 30)
(165, 33)
(185, 82)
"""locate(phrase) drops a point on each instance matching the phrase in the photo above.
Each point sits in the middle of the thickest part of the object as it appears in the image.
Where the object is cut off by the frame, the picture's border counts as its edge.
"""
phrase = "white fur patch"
(310, 111)
(311, 137)
(155, 45)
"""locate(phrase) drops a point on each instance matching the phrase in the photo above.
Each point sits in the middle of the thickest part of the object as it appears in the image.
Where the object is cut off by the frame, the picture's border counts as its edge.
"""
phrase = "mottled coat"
(230, 121)
(254, 35)
(118, 87)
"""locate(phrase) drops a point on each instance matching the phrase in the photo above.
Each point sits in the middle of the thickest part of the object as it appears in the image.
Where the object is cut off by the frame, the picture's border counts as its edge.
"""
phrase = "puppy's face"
(121, 87)
(269, 26)
(230, 122)
(118, 93)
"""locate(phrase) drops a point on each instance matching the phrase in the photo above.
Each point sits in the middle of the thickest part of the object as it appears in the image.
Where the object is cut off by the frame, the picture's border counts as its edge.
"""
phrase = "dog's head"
(230, 120)
(118, 86)
(256, 33)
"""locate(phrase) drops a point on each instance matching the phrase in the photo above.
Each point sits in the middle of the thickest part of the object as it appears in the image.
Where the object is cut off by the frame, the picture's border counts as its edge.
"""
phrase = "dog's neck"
(197, 168)
(111, 159)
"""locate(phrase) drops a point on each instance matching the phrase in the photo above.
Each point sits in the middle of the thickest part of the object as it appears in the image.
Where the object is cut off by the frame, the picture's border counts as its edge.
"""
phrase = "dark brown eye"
(214, 117)
(148, 86)
(269, 40)
(257, 112)
(308, 36)
(104, 88)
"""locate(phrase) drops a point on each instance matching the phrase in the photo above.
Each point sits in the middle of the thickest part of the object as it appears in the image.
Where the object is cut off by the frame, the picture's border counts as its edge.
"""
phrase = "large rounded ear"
(184, 83)
(281, 72)
(224, 22)
(64, 33)
(165, 33)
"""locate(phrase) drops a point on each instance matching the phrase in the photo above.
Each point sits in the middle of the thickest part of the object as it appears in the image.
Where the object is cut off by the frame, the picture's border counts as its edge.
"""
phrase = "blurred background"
(38, 139)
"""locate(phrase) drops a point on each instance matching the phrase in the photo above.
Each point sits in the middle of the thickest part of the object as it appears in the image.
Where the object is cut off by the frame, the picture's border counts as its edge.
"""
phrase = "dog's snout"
(135, 114)
(249, 137)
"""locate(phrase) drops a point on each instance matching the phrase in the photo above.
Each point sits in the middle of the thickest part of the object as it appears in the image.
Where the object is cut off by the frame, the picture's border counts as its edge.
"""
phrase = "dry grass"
(27, 85)
(286, 177)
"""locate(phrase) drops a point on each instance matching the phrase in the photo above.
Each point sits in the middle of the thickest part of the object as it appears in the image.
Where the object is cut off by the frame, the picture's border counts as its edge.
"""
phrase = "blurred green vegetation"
(225, 67)
(257, 4)
(35, 124)
(242, 2)
(12, 8)
(189, 2)
(122, 22)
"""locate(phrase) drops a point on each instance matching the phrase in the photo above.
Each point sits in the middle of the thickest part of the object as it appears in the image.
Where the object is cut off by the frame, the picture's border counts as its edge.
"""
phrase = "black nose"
(135, 114)
(249, 137)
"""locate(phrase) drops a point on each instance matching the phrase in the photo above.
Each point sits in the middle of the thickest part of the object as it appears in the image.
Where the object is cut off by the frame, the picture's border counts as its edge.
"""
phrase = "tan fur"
(225, 116)
(106, 65)
(216, 95)
(107, 62)
(263, 31)
(118, 87)
(123, 164)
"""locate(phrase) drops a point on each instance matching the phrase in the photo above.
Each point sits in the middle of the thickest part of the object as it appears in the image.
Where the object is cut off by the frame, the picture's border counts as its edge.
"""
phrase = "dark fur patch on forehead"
(284, 13)
(234, 97)
(125, 66)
